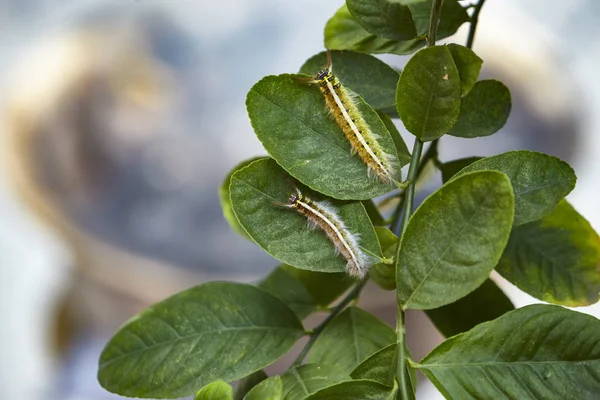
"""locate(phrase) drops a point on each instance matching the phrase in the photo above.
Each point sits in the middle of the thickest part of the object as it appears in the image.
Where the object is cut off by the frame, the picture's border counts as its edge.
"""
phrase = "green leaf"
(555, 259)
(453, 15)
(226, 202)
(379, 367)
(486, 303)
(403, 153)
(349, 339)
(246, 384)
(353, 390)
(539, 181)
(384, 275)
(454, 240)
(373, 212)
(300, 382)
(535, 352)
(269, 389)
(428, 93)
(468, 65)
(352, 68)
(291, 121)
(218, 330)
(284, 233)
(451, 168)
(384, 18)
(218, 390)
(483, 111)
(304, 291)
(343, 32)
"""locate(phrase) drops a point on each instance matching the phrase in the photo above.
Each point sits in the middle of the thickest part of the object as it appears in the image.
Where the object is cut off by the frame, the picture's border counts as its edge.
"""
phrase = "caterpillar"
(321, 215)
(342, 106)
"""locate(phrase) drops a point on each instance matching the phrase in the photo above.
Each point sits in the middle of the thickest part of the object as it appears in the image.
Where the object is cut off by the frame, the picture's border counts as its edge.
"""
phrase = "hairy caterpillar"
(321, 215)
(342, 106)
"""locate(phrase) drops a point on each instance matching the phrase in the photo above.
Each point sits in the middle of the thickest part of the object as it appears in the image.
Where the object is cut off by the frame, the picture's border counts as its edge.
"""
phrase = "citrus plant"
(333, 148)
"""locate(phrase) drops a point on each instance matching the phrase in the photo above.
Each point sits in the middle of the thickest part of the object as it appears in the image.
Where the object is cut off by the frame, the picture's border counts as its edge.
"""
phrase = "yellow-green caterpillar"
(341, 105)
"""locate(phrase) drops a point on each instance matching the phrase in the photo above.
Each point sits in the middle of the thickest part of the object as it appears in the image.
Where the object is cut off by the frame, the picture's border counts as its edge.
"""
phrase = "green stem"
(406, 390)
(474, 20)
(350, 297)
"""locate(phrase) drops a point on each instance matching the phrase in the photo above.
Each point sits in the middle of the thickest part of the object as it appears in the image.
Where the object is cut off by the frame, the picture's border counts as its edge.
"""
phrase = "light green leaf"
(454, 240)
(304, 291)
(484, 304)
(384, 18)
(291, 121)
(353, 390)
(218, 390)
(351, 68)
(343, 32)
(284, 233)
(539, 181)
(483, 111)
(218, 330)
(300, 382)
(226, 203)
(539, 352)
(349, 339)
(269, 389)
(468, 65)
(246, 384)
(429, 93)
(384, 275)
(453, 15)
(556, 258)
(451, 168)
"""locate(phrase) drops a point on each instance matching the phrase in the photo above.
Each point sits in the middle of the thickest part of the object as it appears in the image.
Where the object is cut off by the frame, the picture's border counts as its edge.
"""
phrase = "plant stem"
(474, 20)
(406, 390)
(353, 295)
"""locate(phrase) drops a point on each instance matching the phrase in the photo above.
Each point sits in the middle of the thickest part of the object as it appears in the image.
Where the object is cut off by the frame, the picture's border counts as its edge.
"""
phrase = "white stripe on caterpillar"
(323, 216)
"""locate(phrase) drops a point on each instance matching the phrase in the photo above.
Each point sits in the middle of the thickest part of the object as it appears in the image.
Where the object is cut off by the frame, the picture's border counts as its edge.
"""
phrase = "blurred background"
(119, 120)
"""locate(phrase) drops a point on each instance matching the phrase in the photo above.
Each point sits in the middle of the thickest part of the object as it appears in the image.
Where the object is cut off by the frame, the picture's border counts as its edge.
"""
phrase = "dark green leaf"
(379, 367)
(537, 352)
(556, 258)
(403, 153)
(323, 287)
(218, 330)
(304, 291)
(226, 202)
(451, 168)
(352, 69)
(282, 232)
(218, 390)
(486, 303)
(429, 92)
(468, 65)
(452, 17)
(353, 390)
(343, 32)
(269, 389)
(373, 213)
(383, 18)
(454, 240)
(483, 111)
(246, 384)
(539, 181)
(349, 339)
(291, 121)
(300, 382)
(384, 275)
